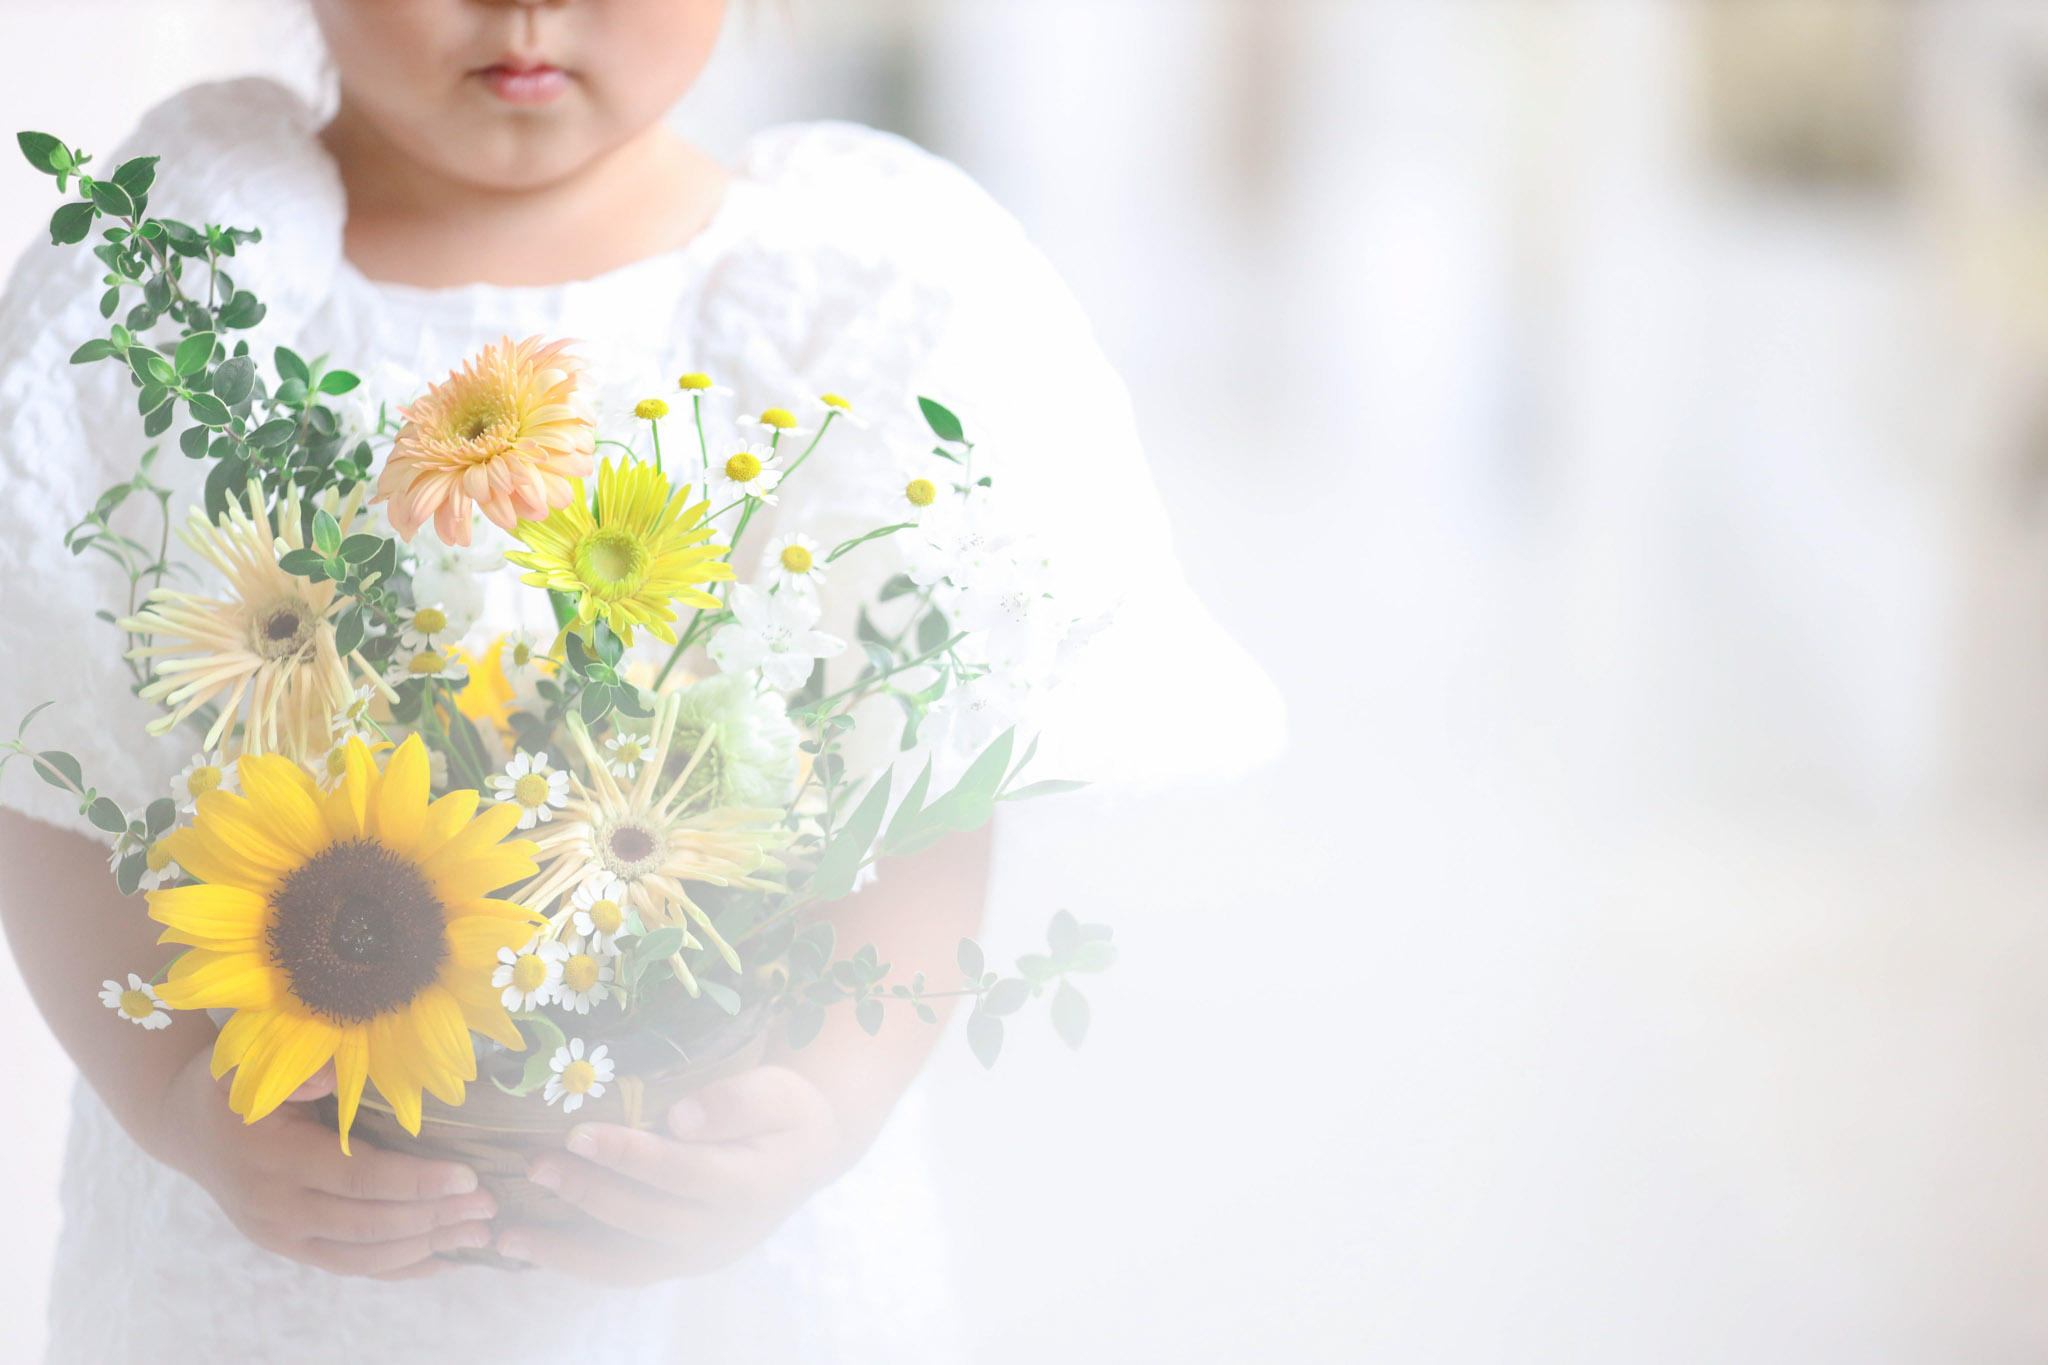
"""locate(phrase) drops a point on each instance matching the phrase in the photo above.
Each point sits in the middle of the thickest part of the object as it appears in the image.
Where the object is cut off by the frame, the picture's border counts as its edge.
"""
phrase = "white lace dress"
(844, 261)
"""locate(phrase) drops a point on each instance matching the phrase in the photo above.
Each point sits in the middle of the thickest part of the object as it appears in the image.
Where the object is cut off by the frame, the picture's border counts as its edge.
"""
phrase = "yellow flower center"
(796, 559)
(606, 917)
(782, 419)
(833, 400)
(694, 383)
(158, 857)
(204, 778)
(921, 492)
(650, 409)
(743, 468)
(136, 1005)
(630, 751)
(337, 761)
(430, 621)
(579, 973)
(578, 1077)
(611, 563)
(531, 790)
(522, 654)
(425, 664)
(529, 972)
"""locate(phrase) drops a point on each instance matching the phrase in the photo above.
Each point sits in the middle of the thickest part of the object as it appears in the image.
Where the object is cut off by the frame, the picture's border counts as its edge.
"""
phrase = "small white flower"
(453, 579)
(528, 782)
(427, 662)
(206, 772)
(586, 974)
(425, 628)
(773, 634)
(750, 473)
(976, 712)
(355, 718)
(625, 753)
(157, 867)
(519, 654)
(957, 542)
(838, 409)
(530, 977)
(437, 770)
(777, 424)
(795, 564)
(599, 916)
(576, 1076)
(701, 386)
(137, 1001)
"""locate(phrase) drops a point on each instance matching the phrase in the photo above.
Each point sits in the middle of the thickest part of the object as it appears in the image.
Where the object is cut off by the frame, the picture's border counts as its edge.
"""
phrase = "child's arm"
(748, 1151)
(283, 1181)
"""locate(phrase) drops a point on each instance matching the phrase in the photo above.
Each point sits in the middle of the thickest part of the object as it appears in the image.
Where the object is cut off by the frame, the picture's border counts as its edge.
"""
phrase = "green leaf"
(1037, 789)
(610, 647)
(869, 1014)
(193, 442)
(44, 152)
(858, 541)
(235, 379)
(278, 431)
(985, 1038)
(908, 812)
(193, 353)
(99, 348)
(1070, 1015)
(128, 877)
(109, 198)
(805, 1023)
(290, 365)
(209, 410)
(725, 997)
(223, 483)
(337, 382)
(59, 769)
(972, 802)
(305, 563)
(348, 632)
(159, 422)
(70, 223)
(326, 534)
(242, 310)
(595, 703)
(850, 843)
(107, 815)
(970, 958)
(1096, 955)
(361, 549)
(1009, 995)
(161, 815)
(543, 1036)
(1063, 935)
(943, 423)
(902, 585)
(22, 728)
(932, 631)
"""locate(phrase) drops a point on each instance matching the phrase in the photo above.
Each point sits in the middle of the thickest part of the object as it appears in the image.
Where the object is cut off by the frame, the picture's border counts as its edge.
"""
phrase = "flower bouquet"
(504, 885)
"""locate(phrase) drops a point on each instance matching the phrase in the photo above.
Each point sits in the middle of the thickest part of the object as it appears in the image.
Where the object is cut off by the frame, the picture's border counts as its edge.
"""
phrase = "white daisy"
(794, 563)
(576, 1076)
(137, 1001)
(777, 424)
(157, 867)
(425, 628)
(519, 654)
(530, 977)
(838, 408)
(701, 386)
(355, 718)
(586, 973)
(206, 772)
(599, 913)
(537, 789)
(751, 473)
(426, 662)
(625, 753)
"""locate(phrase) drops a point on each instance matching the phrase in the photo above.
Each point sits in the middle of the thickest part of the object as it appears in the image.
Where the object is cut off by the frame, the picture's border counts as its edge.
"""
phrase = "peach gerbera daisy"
(507, 432)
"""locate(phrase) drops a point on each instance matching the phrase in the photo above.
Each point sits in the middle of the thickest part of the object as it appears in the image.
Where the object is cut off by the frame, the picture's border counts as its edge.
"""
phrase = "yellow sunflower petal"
(351, 1069)
(282, 1059)
(203, 979)
(474, 941)
(391, 1052)
(244, 830)
(347, 807)
(241, 1029)
(398, 804)
(209, 860)
(442, 1036)
(289, 802)
(210, 912)
(445, 819)
(490, 1018)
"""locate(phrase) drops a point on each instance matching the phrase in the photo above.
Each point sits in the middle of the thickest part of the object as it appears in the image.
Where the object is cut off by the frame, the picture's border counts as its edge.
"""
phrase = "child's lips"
(525, 84)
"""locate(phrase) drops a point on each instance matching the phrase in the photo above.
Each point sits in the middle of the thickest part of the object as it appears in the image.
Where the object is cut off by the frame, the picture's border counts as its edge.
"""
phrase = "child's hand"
(284, 1182)
(746, 1153)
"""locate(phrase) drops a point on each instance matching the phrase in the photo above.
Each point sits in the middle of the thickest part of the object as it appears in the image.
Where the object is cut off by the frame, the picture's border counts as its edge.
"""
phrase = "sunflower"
(507, 432)
(355, 926)
(270, 643)
(652, 836)
(642, 551)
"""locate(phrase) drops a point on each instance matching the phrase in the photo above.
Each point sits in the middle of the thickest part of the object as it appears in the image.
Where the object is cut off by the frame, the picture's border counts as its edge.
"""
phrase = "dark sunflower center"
(358, 931)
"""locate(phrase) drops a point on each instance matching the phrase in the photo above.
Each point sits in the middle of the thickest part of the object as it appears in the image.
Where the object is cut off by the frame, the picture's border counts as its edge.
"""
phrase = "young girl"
(497, 169)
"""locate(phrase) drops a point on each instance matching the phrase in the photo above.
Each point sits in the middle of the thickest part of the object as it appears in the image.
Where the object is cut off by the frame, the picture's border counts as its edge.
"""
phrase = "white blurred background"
(1632, 415)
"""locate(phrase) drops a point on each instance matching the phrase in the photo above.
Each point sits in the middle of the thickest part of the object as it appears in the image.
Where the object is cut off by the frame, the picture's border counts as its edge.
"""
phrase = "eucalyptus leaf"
(107, 814)
(850, 843)
(59, 769)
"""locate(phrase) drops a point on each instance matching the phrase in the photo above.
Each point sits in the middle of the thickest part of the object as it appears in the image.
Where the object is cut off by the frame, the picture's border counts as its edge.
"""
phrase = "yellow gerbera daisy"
(269, 643)
(652, 838)
(509, 432)
(641, 552)
(354, 925)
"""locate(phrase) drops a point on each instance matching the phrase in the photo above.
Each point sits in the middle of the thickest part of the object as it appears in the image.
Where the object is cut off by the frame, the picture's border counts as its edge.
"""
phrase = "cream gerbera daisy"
(599, 912)
(625, 753)
(751, 473)
(137, 1002)
(207, 772)
(586, 976)
(530, 976)
(508, 432)
(529, 783)
(576, 1076)
(654, 838)
(264, 654)
(794, 563)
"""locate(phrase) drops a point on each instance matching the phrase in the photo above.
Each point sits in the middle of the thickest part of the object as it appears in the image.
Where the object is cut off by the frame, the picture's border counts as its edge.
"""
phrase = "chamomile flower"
(355, 718)
(694, 385)
(586, 977)
(625, 753)
(427, 662)
(424, 628)
(157, 867)
(207, 772)
(794, 563)
(529, 976)
(750, 473)
(137, 1001)
(529, 783)
(520, 654)
(774, 634)
(650, 409)
(838, 409)
(598, 913)
(576, 1076)
(777, 424)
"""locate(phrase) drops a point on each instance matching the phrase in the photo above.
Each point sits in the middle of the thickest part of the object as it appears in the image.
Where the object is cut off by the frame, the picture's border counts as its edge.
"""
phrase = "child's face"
(514, 94)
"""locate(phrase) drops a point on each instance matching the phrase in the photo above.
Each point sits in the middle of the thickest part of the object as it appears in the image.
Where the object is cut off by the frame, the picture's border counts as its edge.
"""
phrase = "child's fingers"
(715, 1173)
(765, 1100)
(384, 1258)
(367, 1221)
(374, 1174)
(628, 1205)
(319, 1084)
